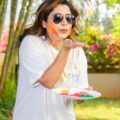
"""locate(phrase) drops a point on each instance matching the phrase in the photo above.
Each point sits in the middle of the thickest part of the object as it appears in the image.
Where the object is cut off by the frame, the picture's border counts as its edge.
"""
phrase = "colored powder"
(86, 96)
(53, 29)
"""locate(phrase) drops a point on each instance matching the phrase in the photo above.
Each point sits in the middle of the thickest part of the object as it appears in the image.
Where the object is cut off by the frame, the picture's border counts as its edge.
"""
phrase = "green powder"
(86, 96)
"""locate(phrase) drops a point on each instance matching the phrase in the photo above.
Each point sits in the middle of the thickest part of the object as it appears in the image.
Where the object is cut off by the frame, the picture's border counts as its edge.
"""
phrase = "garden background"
(99, 26)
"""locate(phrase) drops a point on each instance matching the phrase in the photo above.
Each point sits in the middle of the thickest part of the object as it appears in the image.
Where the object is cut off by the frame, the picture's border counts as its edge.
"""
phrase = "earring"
(43, 24)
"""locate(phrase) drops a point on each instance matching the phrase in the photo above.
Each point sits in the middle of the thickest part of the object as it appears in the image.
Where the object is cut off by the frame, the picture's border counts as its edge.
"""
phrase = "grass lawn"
(98, 109)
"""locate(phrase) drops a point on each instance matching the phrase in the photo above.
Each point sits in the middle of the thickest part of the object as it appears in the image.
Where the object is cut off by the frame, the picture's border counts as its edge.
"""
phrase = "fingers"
(80, 101)
(90, 87)
(80, 44)
(71, 44)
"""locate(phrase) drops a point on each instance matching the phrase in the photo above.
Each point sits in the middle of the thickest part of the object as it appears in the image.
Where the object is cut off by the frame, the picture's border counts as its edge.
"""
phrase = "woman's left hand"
(82, 101)
(79, 101)
(90, 87)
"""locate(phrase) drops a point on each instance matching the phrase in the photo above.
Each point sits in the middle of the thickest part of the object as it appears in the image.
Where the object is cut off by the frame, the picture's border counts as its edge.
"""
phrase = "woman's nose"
(64, 21)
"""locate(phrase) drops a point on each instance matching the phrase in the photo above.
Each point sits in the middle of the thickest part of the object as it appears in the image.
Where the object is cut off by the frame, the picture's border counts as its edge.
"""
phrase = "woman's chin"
(63, 36)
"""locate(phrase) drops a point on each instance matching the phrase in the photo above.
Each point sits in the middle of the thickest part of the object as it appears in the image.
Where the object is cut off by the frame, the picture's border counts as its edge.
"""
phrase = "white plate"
(93, 94)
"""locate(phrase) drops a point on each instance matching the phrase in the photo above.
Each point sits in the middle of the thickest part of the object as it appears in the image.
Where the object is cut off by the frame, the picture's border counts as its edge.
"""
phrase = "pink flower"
(95, 47)
(2, 48)
(4, 41)
(111, 50)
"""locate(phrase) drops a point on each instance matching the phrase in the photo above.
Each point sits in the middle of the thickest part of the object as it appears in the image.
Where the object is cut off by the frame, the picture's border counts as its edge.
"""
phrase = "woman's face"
(59, 22)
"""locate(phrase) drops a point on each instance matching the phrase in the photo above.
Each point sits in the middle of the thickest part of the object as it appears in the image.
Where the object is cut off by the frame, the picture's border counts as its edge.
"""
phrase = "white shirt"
(36, 102)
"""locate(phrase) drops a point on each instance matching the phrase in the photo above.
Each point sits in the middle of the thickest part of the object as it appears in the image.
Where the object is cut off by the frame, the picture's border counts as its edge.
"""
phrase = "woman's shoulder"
(32, 40)
(31, 43)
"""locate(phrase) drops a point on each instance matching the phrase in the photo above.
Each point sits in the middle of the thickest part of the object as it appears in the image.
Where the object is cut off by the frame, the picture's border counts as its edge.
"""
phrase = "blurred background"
(99, 26)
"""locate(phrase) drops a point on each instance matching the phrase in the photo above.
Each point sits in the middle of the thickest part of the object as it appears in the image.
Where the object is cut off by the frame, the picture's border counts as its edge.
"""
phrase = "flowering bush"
(4, 41)
(103, 52)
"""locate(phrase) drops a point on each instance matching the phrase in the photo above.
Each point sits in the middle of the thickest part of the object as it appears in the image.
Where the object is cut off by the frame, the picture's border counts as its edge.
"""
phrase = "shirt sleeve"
(82, 66)
(33, 59)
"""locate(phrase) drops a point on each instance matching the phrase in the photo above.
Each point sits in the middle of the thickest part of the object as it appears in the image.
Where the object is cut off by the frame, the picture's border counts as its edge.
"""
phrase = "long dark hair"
(42, 13)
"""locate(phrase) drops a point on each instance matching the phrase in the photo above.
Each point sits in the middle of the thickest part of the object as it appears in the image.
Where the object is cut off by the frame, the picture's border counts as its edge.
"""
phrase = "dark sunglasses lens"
(70, 19)
(57, 18)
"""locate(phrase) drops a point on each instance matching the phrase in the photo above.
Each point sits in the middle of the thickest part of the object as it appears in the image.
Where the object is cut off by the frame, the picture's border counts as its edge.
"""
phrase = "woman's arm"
(53, 73)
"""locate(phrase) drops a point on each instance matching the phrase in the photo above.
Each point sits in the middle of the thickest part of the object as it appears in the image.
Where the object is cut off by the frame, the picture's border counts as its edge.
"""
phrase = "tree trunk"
(1, 2)
(8, 51)
(12, 51)
(3, 8)
(14, 55)
(13, 37)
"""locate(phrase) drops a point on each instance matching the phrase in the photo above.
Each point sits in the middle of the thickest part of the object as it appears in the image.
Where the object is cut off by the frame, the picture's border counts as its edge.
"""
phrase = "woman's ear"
(44, 24)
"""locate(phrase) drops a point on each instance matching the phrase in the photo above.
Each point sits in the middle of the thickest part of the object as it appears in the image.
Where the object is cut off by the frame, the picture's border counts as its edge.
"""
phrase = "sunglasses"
(58, 18)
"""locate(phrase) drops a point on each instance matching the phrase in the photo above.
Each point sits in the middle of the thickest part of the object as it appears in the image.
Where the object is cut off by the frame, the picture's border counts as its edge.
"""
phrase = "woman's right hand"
(69, 44)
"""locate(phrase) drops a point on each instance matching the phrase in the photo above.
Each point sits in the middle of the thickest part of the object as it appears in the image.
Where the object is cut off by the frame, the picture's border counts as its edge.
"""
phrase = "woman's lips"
(63, 30)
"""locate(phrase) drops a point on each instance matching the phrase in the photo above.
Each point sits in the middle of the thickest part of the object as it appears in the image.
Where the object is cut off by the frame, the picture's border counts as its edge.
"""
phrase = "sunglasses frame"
(69, 18)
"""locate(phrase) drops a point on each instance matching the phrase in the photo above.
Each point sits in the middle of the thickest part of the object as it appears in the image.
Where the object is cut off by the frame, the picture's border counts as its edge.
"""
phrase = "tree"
(3, 8)
(11, 52)
(111, 2)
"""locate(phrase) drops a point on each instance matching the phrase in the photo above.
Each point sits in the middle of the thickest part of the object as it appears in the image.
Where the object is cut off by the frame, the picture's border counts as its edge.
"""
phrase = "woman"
(48, 58)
